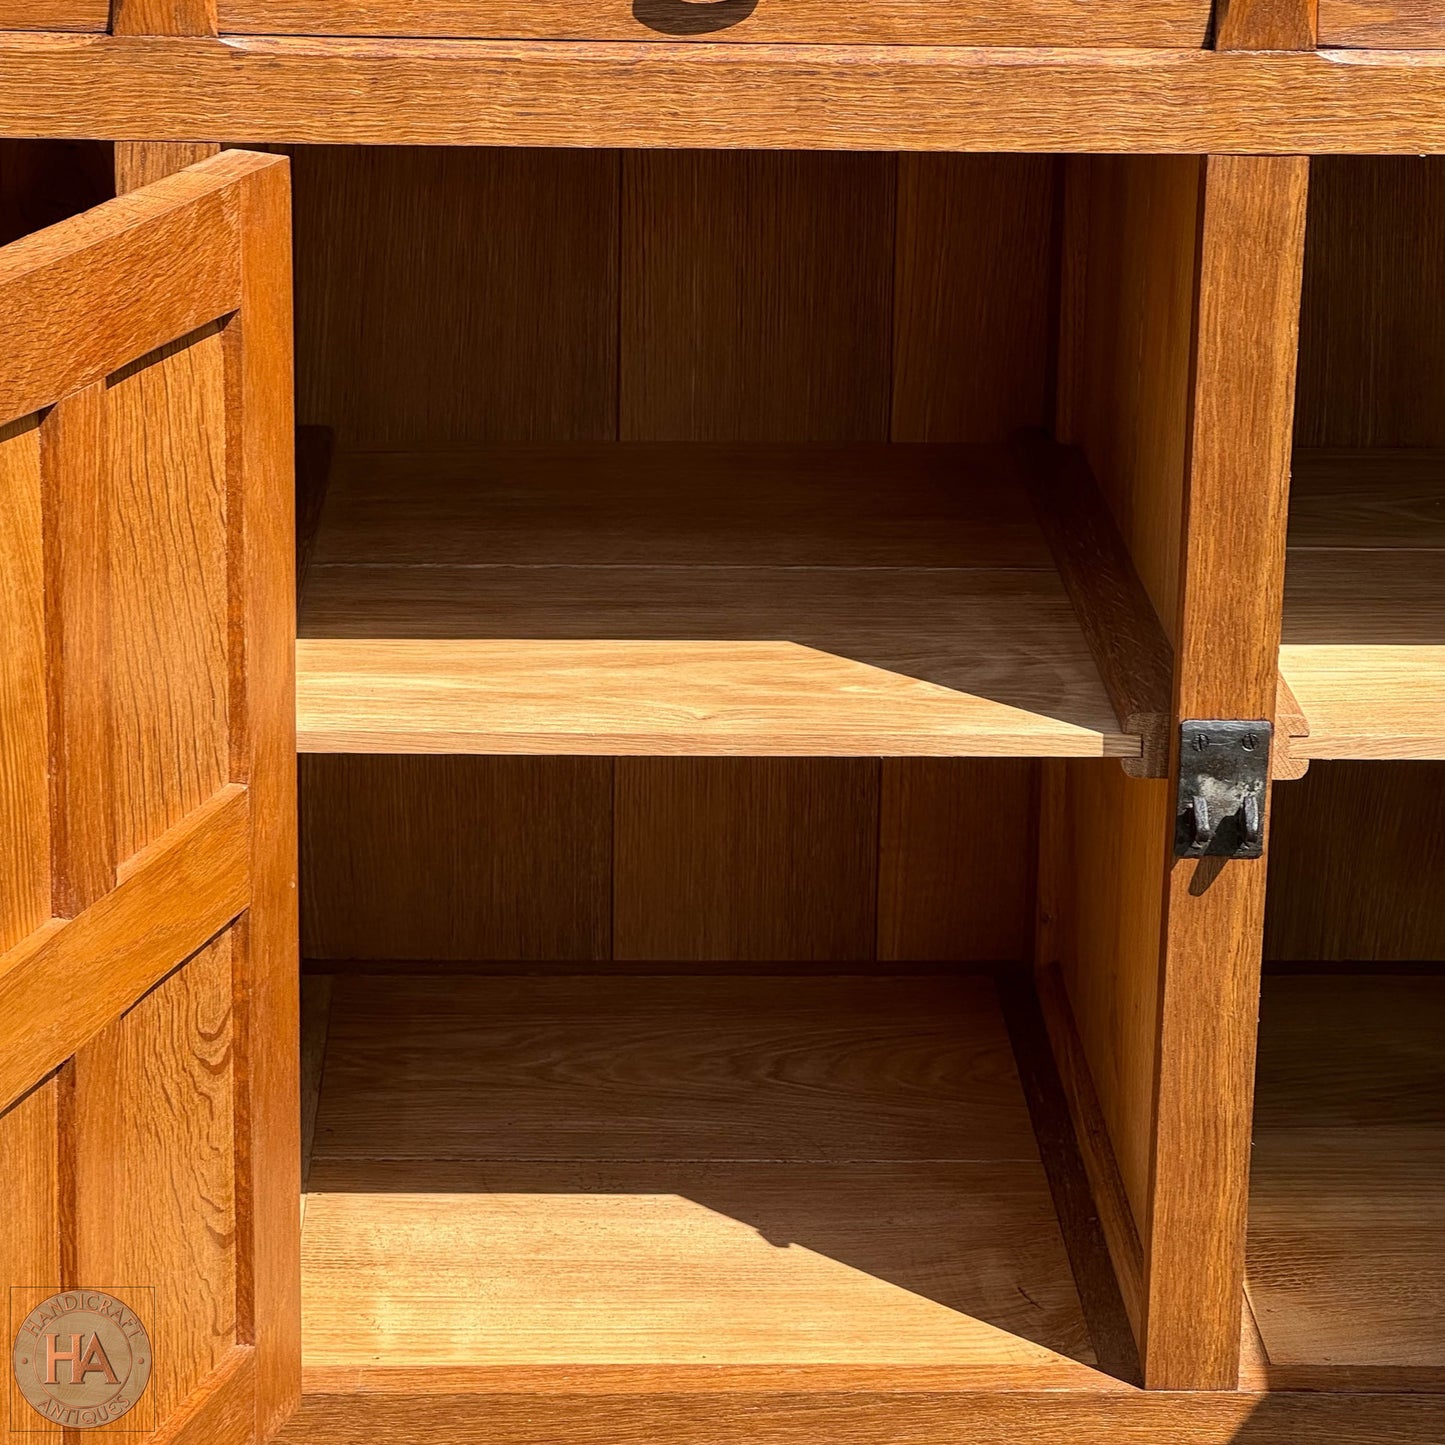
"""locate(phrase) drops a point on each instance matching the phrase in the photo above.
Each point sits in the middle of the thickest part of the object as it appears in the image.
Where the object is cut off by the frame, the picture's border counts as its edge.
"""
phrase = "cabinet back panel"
(461, 296)
(1372, 321)
(1357, 864)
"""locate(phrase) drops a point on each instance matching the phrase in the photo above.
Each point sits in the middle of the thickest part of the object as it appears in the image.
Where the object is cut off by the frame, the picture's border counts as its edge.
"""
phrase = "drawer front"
(1145, 23)
(1382, 24)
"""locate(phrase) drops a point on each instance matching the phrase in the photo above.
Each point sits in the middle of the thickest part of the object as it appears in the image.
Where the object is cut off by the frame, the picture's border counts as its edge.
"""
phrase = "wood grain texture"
(1242, 391)
(30, 1230)
(923, 618)
(1377, 498)
(492, 277)
(1128, 255)
(1240, 424)
(169, 602)
(608, 1411)
(644, 1070)
(261, 500)
(79, 511)
(1358, 870)
(778, 1149)
(24, 762)
(221, 1410)
(1179, 406)
(744, 250)
(155, 265)
(709, 1263)
(1100, 922)
(1107, 1199)
(1347, 1229)
(170, 635)
(971, 278)
(171, 898)
(441, 92)
(896, 22)
(1106, 1316)
(780, 862)
(1372, 359)
(139, 163)
(54, 14)
(476, 858)
(955, 859)
(163, 17)
(1265, 24)
(1363, 643)
(316, 991)
(1382, 24)
(1133, 655)
(1125, 341)
(152, 1127)
(671, 505)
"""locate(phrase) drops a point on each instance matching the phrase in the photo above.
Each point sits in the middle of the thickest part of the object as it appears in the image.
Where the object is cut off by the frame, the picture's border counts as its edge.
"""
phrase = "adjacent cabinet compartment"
(1364, 622)
(1346, 1266)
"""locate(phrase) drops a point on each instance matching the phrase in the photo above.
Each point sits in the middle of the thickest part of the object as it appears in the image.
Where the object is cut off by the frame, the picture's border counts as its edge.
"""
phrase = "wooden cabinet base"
(357, 1407)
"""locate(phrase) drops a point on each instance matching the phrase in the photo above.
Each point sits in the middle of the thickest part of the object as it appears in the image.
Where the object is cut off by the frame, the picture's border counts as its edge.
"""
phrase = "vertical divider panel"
(1179, 336)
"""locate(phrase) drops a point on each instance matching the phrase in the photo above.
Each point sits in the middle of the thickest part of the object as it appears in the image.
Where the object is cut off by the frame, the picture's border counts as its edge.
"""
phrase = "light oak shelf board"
(694, 600)
(1363, 646)
(1347, 1201)
(681, 1172)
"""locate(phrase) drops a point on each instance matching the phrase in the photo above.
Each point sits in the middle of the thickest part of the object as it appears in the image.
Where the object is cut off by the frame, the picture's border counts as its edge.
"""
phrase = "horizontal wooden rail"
(63, 984)
(837, 97)
(117, 282)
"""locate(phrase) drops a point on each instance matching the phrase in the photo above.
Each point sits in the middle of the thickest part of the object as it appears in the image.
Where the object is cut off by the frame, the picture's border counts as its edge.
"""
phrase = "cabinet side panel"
(1127, 332)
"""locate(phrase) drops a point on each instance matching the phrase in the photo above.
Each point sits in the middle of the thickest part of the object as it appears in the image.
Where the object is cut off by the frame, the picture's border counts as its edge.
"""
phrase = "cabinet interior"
(624, 477)
(678, 636)
(1347, 1233)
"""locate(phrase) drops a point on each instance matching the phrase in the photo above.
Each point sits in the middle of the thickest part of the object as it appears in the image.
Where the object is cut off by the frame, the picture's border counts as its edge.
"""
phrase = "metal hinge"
(1223, 775)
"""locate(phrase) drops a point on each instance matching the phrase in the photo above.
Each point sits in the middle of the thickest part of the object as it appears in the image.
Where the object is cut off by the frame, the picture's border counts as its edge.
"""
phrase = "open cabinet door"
(148, 990)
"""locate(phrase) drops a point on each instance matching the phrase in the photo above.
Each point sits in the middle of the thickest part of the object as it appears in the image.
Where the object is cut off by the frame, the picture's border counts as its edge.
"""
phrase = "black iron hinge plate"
(1223, 779)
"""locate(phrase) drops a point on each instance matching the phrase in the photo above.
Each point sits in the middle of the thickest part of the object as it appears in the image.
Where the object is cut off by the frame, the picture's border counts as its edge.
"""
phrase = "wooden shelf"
(646, 599)
(1364, 621)
(1347, 1198)
(677, 1172)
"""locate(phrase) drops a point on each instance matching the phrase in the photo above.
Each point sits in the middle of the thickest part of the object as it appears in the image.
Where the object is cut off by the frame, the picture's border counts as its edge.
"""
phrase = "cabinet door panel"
(148, 1011)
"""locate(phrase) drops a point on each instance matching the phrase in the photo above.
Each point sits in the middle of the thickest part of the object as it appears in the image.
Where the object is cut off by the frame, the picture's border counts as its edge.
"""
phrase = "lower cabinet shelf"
(808, 600)
(675, 1172)
(691, 1207)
